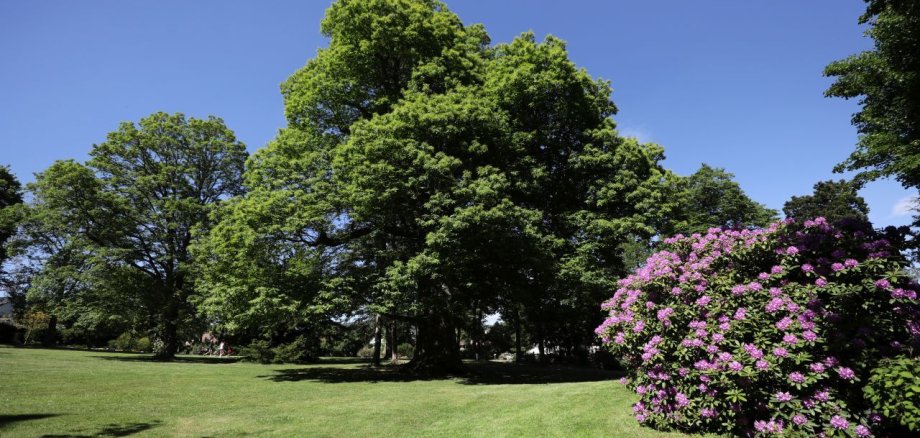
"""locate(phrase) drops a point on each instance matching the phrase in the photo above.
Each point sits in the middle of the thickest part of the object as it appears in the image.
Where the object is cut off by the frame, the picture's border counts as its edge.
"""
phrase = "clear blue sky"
(735, 84)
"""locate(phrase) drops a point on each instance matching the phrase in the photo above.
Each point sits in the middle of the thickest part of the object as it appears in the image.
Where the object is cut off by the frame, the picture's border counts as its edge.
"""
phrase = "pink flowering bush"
(764, 332)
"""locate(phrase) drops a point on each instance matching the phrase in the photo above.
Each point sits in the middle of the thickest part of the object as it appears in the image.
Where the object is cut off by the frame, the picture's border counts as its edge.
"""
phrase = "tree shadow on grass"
(179, 359)
(10, 419)
(113, 430)
(481, 373)
(342, 360)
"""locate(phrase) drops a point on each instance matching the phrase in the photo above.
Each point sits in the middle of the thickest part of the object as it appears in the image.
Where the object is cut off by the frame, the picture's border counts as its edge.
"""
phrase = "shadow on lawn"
(113, 430)
(9, 419)
(489, 373)
(178, 359)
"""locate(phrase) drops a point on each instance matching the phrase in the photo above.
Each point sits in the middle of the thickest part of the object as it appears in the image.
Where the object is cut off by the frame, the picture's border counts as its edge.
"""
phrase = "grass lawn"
(87, 393)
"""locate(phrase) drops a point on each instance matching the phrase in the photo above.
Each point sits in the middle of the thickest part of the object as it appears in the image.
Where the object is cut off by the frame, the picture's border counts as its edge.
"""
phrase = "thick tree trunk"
(169, 333)
(377, 339)
(436, 346)
(51, 334)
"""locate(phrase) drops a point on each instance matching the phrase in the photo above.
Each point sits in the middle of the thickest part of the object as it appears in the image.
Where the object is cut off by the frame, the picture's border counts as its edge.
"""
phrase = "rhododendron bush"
(764, 331)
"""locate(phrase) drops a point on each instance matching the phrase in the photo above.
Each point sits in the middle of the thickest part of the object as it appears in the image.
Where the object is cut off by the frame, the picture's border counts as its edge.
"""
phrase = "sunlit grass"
(85, 393)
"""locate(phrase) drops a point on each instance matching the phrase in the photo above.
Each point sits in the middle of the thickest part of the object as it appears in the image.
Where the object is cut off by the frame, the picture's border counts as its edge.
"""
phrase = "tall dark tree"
(712, 198)
(116, 231)
(886, 80)
(834, 200)
(425, 175)
(10, 195)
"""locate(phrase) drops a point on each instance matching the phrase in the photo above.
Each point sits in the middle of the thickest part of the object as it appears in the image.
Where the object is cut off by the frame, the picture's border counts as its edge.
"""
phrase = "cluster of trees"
(426, 178)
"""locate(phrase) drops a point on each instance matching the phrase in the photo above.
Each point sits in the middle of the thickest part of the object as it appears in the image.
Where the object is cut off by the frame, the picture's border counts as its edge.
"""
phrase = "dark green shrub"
(893, 390)
(405, 350)
(301, 350)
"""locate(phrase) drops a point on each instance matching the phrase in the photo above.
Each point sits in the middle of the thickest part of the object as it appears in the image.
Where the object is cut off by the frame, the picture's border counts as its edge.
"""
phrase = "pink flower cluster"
(685, 322)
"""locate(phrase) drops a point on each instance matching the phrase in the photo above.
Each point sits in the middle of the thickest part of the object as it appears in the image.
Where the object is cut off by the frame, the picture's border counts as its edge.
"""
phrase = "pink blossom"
(839, 422)
(846, 373)
(740, 313)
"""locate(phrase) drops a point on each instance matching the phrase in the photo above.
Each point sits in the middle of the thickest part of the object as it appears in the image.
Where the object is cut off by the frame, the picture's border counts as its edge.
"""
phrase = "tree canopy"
(833, 200)
(10, 195)
(426, 175)
(110, 237)
(712, 198)
(886, 80)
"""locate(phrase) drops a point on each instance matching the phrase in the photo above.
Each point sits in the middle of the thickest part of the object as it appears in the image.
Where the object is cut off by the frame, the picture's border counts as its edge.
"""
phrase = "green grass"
(88, 393)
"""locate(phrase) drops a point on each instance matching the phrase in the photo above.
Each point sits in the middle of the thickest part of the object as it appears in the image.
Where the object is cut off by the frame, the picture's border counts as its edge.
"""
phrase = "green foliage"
(710, 197)
(424, 173)
(893, 390)
(405, 349)
(109, 239)
(10, 195)
(886, 80)
(302, 349)
(131, 341)
(832, 200)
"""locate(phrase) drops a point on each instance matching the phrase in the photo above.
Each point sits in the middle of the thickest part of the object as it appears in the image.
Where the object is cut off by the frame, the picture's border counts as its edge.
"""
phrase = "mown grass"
(87, 393)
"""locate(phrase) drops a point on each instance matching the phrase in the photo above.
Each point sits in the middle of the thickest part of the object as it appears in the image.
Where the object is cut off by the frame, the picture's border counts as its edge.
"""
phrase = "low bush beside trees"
(770, 331)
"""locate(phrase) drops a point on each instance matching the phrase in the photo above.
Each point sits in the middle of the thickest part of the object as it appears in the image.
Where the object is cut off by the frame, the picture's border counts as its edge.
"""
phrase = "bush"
(894, 391)
(128, 341)
(405, 350)
(366, 351)
(763, 332)
(301, 350)
(143, 345)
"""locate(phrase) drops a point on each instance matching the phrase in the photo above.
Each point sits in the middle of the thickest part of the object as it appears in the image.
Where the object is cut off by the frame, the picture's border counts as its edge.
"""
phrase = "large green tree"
(834, 200)
(10, 195)
(886, 80)
(112, 236)
(712, 198)
(430, 177)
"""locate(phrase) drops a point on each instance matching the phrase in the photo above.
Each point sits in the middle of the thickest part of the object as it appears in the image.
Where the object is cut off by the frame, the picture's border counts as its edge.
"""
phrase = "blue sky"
(733, 84)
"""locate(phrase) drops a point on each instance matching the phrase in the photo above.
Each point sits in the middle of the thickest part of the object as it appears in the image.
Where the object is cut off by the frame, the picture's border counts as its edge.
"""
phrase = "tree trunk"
(436, 346)
(51, 334)
(169, 333)
(541, 348)
(517, 338)
(387, 340)
(377, 340)
(394, 350)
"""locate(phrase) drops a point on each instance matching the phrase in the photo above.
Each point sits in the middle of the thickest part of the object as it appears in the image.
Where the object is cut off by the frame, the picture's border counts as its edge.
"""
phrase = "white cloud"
(639, 132)
(905, 206)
